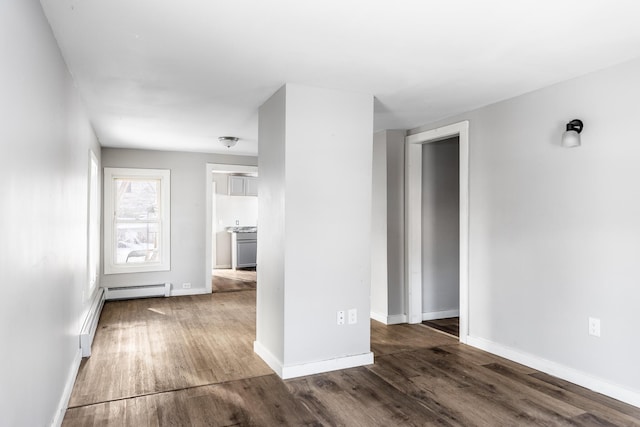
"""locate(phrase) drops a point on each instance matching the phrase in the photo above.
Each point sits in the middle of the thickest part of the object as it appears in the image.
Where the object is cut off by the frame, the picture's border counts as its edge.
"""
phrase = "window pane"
(137, 218)
(137, 199)
(137, 243)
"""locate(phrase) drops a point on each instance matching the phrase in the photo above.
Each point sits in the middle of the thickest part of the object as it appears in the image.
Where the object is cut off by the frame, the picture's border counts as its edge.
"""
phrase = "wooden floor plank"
(467, 393)
(480, 357)
(161, 344)
(228, 280)
(189, 361)
(449, 325)
(589, 402)
(595, 397)
(389, 339)
(260, 401)
(357, 397)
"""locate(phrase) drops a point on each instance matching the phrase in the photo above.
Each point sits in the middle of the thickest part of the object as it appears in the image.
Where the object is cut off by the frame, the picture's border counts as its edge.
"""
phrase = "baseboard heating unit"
(143, 291)
(91, 323)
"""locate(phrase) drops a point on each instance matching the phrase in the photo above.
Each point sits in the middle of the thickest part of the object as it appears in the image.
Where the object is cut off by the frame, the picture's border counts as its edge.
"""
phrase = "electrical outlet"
(237, 222)
(594, 326)
(186, 285)
(353, 316)
(340, 318)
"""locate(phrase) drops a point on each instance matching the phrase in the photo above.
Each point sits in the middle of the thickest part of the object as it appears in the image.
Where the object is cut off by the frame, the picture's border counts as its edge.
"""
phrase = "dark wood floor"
(188, 361)
(450, 325)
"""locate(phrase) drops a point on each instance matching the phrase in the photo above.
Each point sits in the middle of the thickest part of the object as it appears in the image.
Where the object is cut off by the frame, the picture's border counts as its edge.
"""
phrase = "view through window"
(139, 231)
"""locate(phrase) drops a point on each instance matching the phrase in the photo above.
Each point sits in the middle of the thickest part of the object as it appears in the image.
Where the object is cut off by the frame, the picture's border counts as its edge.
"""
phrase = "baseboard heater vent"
(91, 323)
(144, 291)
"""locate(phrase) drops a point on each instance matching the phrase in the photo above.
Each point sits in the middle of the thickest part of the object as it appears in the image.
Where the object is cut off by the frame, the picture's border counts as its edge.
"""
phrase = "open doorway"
(441, 235)
(232, 215)
(416, 223)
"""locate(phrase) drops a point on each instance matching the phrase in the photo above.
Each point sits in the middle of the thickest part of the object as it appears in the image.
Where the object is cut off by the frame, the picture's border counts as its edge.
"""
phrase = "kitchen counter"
(244, 229)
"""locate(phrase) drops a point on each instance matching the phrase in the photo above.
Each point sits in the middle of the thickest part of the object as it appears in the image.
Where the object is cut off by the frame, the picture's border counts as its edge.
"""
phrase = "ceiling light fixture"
(228, 141)
(571, 137)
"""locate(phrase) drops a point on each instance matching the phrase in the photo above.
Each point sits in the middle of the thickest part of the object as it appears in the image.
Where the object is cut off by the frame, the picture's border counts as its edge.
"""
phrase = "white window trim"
(93, 225)
(164, 175)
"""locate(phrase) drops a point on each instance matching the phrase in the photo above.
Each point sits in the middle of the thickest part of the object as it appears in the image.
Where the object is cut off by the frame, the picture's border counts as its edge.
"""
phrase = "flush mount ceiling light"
(571, 137)
(228, 141)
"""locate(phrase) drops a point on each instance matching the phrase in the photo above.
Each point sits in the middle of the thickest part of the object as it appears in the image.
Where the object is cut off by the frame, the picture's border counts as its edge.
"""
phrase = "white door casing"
(413, 212)
(209, 228)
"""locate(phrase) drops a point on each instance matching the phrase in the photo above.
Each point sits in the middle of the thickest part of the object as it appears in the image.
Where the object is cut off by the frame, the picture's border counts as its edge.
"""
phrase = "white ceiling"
(176, 74)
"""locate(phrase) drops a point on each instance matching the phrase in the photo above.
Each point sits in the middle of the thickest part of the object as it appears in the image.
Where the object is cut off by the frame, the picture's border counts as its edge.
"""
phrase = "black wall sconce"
(571, 137)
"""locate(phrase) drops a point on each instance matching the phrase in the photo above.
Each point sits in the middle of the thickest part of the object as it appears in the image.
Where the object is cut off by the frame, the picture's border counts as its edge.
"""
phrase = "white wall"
(395, 225)
(271, 233)
(230, 209)
(387, 245)
(379, 275)
(45, 138)
(554, 231)
(440, 229)
(322, 175)
(328, 222)
(188, 212)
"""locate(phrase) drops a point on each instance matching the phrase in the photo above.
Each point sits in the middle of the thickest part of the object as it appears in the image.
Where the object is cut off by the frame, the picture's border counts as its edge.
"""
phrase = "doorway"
(225, 210)
(441, 235)
(414, 215)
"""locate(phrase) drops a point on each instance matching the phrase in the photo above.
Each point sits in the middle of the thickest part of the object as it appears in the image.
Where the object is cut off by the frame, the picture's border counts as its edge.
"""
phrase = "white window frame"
(93, 225)
(164, 176)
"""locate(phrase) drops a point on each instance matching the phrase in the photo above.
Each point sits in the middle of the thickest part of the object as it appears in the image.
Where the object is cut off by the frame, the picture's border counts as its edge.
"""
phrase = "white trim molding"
(413, 219)
(294, 371)
(63, 404)
(192, 291)
(440, 314)
(390, 319)
(272, 361)
(567, 373)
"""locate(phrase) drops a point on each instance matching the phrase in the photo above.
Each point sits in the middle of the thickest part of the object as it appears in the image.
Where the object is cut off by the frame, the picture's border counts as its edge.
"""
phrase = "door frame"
(413, 212)
(210, 169)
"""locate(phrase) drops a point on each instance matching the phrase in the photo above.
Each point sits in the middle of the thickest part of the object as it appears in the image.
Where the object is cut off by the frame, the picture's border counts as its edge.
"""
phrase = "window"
(93, 228)
(137, 218)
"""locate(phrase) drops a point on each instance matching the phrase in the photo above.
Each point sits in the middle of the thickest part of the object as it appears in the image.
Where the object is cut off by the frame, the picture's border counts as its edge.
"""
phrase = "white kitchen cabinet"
(236, 185)
(251, 186)
(243, 185)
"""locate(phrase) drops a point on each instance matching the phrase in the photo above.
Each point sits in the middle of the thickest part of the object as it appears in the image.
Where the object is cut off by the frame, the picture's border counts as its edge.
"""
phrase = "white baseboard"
(440, 314)
(391, 319)
(382, 318)
(327, 365)
(68, 388)
(583, 379)
(90, 325)
(192, 291)
(272, 361)
(294, 371)
(395, 319)
(223, 266)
